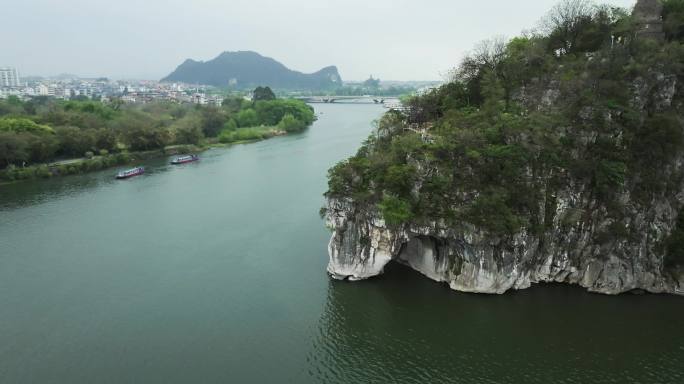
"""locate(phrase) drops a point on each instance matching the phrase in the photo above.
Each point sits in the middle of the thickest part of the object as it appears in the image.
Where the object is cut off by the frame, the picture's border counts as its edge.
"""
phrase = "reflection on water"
(404, 328)
(26, 193)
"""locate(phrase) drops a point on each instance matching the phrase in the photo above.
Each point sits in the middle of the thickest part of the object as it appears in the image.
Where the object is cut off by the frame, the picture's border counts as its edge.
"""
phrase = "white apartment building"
(9, 77)
(43, 90)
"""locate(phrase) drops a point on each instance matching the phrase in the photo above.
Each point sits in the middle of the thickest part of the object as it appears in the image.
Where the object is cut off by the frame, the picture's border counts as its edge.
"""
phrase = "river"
(214, 272)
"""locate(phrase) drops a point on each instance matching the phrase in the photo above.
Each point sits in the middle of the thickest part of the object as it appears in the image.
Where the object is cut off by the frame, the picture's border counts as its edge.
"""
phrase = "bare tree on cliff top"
(487, 54)
(565, 21)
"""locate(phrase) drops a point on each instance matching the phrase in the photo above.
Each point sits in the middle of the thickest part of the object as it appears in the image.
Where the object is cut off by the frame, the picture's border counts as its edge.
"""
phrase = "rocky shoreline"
(470, 261)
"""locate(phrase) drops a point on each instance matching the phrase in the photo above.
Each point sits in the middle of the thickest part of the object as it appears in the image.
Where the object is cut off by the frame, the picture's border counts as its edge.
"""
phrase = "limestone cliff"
(571, 173)
(471, 260)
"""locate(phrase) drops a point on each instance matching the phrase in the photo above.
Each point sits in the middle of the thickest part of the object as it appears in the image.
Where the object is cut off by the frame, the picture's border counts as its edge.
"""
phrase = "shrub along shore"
(103, 161)
(35, 135)
(85, 165)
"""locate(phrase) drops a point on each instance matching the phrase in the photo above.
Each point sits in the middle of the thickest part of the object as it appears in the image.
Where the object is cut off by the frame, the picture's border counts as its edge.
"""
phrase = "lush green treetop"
(17, 125)
(263, 94)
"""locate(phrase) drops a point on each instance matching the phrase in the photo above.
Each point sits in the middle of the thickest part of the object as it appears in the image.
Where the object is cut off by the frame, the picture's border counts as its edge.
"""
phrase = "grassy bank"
(96, 163)
(249, 134)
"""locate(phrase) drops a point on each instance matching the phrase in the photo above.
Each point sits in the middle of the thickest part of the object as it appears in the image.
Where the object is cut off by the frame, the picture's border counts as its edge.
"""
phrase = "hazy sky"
(147, 39)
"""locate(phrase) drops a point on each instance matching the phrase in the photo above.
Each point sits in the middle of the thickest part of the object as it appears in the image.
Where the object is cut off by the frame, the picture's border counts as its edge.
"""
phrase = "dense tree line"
(43, 129)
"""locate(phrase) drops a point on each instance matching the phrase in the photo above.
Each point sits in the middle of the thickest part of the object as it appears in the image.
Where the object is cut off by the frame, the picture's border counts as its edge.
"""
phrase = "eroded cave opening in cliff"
(427, 255)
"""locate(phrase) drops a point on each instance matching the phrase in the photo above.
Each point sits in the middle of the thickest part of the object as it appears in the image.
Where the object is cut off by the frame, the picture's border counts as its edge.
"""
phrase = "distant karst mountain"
(245, 69)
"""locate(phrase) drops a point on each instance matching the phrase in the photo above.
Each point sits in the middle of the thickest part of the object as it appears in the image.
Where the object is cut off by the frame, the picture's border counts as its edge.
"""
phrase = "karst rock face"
(573, 248)
(473, 261)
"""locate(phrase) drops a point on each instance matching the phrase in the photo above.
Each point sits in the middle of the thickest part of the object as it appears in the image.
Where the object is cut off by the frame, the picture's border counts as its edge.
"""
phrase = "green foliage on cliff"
(394, 210)
(586, 102)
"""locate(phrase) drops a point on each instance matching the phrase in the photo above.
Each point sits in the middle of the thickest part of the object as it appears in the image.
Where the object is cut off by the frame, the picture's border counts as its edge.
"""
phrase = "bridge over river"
(367, 99)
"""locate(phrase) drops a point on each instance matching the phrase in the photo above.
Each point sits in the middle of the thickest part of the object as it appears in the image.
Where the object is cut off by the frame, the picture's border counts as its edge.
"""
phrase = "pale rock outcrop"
(470, 261)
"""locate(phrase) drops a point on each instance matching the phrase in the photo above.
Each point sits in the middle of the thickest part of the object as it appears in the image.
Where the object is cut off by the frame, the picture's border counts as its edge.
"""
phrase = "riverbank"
(36, 134)
(14, 174)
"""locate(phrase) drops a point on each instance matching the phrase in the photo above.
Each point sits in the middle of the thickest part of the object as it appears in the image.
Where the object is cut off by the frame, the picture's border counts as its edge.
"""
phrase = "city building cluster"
(9, 77)
(103, 89)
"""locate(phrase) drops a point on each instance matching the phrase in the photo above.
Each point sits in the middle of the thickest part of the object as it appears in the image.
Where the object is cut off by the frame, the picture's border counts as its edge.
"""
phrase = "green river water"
(214, 272)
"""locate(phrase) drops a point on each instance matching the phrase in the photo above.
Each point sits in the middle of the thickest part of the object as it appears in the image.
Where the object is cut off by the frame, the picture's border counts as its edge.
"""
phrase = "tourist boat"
(185, 159)
(130, 173)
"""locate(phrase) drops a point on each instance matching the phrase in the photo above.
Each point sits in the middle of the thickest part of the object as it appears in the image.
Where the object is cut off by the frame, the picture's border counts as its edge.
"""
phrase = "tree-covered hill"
(554, 156)
(245, 69)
